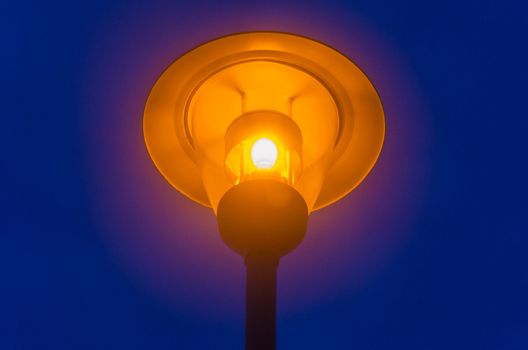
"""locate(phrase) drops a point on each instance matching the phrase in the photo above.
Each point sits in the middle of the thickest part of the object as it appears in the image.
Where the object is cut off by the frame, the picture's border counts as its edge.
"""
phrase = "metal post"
(261, 296)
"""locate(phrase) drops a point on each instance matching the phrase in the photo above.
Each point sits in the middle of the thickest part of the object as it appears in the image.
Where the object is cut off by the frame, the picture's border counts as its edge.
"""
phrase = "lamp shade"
(264, 105)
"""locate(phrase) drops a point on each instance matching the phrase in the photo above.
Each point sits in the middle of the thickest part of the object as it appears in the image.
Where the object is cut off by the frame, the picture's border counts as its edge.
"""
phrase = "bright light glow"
(264, 153)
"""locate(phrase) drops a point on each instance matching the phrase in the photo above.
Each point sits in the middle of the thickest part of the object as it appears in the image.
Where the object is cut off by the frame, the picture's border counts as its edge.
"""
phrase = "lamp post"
(264, 128)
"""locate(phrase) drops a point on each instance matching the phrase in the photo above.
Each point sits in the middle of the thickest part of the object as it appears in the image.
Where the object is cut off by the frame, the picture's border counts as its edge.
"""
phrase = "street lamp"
(264, 128)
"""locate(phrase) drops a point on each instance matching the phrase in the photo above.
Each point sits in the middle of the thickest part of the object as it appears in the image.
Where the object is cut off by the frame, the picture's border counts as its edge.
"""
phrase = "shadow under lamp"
(264, 128)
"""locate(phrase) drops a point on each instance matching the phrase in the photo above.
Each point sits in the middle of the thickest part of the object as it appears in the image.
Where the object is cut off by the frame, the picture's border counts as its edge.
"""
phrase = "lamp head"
(264, 128)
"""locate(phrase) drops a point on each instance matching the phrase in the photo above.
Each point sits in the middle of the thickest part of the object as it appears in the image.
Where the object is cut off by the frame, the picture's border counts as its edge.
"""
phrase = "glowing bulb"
(264, 153)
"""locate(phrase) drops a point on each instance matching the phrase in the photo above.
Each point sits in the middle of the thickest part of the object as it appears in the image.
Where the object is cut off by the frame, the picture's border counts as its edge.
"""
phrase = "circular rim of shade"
(361, 117)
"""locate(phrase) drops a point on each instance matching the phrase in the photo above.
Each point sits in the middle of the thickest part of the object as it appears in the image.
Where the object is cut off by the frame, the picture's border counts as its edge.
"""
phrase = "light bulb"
(264, 153)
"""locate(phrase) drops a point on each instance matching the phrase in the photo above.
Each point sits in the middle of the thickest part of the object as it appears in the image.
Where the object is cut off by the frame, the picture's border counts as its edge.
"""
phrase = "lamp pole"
(261, 301)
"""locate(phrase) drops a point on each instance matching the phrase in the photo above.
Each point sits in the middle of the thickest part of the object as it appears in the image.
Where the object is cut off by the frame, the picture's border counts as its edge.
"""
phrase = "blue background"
(464, 268)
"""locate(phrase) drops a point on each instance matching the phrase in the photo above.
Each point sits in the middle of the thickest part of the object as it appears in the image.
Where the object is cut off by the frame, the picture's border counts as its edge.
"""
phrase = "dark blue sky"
(457, 276)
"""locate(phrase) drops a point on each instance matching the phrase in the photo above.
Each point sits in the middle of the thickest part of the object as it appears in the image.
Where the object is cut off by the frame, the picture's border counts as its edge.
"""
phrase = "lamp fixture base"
(262, 216)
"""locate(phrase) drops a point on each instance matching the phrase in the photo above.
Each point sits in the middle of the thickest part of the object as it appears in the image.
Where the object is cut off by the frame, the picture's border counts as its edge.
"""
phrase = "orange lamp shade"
(264, 105)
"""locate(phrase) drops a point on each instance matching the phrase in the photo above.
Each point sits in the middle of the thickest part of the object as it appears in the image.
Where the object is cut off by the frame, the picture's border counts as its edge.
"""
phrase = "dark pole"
(261, 296)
